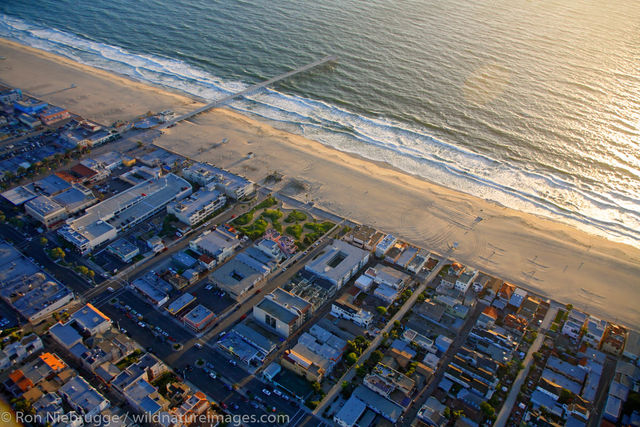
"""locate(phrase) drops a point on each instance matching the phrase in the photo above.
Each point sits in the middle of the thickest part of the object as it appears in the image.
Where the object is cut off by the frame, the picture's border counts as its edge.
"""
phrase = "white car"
(267, 392)
(198, 345)
(277, 392)
(213, 375)
(208, 287)
(142, 324)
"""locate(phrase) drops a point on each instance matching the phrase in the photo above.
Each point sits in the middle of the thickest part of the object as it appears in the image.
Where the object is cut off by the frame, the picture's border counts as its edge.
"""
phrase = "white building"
(102, 222)
(197, 207)
(464, 281)
(212, 177)
(16, 352)
(46, 211)
(385, 244)
(348, 311)
(595, 331)
(338, 262)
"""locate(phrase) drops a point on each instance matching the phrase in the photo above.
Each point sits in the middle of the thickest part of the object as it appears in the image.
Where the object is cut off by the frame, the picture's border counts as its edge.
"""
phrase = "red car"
(224, 405)
(244, 316)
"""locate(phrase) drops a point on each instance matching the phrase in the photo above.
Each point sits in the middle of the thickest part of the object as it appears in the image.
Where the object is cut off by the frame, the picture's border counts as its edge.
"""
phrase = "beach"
(550, 258)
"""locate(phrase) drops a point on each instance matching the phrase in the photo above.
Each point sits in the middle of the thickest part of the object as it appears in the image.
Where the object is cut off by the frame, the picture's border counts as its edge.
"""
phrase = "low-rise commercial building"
(103, 221)
(239, 275)
(338, 262)
(220, 244)
(46, 211)
(198, 318)
(124, 250)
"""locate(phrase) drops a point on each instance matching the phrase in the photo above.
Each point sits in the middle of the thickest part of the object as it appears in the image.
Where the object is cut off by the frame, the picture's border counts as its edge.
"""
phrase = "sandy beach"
(548, 257)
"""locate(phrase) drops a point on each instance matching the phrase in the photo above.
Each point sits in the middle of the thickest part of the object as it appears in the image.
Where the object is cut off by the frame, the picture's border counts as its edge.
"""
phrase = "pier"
(248, 90)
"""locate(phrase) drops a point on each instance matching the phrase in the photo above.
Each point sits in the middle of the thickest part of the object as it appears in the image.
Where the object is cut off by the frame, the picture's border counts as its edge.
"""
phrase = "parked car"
(266, 392)
(198, 345)
(213, 375)
(233, 362)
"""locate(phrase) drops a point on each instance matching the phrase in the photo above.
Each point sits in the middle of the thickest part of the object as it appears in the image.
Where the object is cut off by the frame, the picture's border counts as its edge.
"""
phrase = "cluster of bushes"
(255, 230)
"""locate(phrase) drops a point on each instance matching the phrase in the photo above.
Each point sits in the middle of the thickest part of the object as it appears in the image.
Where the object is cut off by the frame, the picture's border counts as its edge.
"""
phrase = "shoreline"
(549, 257)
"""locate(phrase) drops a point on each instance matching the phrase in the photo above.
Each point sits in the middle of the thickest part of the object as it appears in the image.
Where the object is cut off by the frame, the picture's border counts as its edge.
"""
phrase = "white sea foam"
(611, 213)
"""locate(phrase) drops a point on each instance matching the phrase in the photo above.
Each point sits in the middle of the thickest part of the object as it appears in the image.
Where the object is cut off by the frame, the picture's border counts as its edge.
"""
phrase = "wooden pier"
(248, 90)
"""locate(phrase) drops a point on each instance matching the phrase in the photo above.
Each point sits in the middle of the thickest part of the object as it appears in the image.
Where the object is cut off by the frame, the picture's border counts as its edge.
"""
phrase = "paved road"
(505, 411)
(348, 376)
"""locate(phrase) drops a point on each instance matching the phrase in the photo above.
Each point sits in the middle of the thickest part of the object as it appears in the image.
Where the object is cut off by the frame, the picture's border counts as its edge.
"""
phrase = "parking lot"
(211, 297)
(140, 319)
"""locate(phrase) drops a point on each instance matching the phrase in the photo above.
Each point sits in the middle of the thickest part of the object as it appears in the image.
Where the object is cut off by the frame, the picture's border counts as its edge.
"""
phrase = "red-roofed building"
(207, 261)
(84, 173)
(53, 114)
(506, 291)
(614, 339)
(516, 323)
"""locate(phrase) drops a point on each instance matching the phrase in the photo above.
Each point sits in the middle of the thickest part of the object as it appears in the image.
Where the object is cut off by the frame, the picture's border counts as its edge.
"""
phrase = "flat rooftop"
(197, 201)
(19, 195)
(43, 205)
(75, 198)
(336, 260)
(198, 315)
(49, 185)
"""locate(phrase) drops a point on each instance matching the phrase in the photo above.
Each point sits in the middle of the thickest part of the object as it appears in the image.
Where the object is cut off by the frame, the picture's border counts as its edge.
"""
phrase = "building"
(83, 398)
(152, 287)
(488, 317)
(46, 211)
(30, 106)
(364, 237)
(239, 275)
(197, 207)
(418, 262)
(338, 262)
(209, 176)
(388, 276)
(614, 339)
(378, 404)
(386, 293)
(270, 248)
(156, 244)
(220, 244)
(44, 367)
(198, 318)
(90, 320)
(464, 282)
(632, 346)
(50, 185)
(350, 413)
(385, 244)
(282, 312)
(180, 303)
(9, 96)
(16, 352)
(518, 297)
(387, 381)
(124, 250)
(575, 322)
(301, 365)
(432, 413)
(52, 115)
(103, 222)
(30, 291)
(75, 198)
(19, 195)
(594, 331)
(247, 343)
(345, 310)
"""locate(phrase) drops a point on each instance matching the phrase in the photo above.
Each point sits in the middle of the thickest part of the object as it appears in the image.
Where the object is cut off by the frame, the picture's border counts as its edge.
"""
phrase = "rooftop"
(49, 185)
(336, 260)
(89, 317)
(196, 202)
(198, 315)
(43, 205)
(179, 303)
(18, 195)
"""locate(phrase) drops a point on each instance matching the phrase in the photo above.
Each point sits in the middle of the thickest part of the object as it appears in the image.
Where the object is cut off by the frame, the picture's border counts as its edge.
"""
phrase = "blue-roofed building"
(573, 372)
(350, 412)
(30, 106)
(378, 404)
(65, 335)
(612, 409)
(561, 380)
(539, 399)
(184, 260)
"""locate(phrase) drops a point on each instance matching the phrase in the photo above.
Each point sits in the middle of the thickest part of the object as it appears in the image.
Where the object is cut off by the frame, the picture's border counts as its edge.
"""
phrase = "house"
(518, 297)
(16, 352)
(388, 276)
(385, 381)
(350, 413)
(83, 398)
(480, 283)
(305, 366)
(488, 317)
(345, 310)
(156, 244)
(594, 331)
(90, 320)
(364, 282)
(386, 293)
(378, 404)
(364, 237)
(614, 339)
(463, 283)
(385, 244)
(338, 262)
(270, 248)
(282, 312)
(432, 413)
(632, 346)
(575, 322)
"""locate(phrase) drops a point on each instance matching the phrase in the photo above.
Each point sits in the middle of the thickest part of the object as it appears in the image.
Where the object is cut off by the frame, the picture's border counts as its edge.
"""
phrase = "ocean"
(534, 105)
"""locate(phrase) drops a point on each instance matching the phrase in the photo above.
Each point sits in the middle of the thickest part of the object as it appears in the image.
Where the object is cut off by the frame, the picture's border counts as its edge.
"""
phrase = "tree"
(487, 410)
(565, 396)
(83, 270)
(382, 310)
(352, 358)
(375, 357)
(43, 241)
(317, 388)
(57, 253)
(91, 274)
(361, 371)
